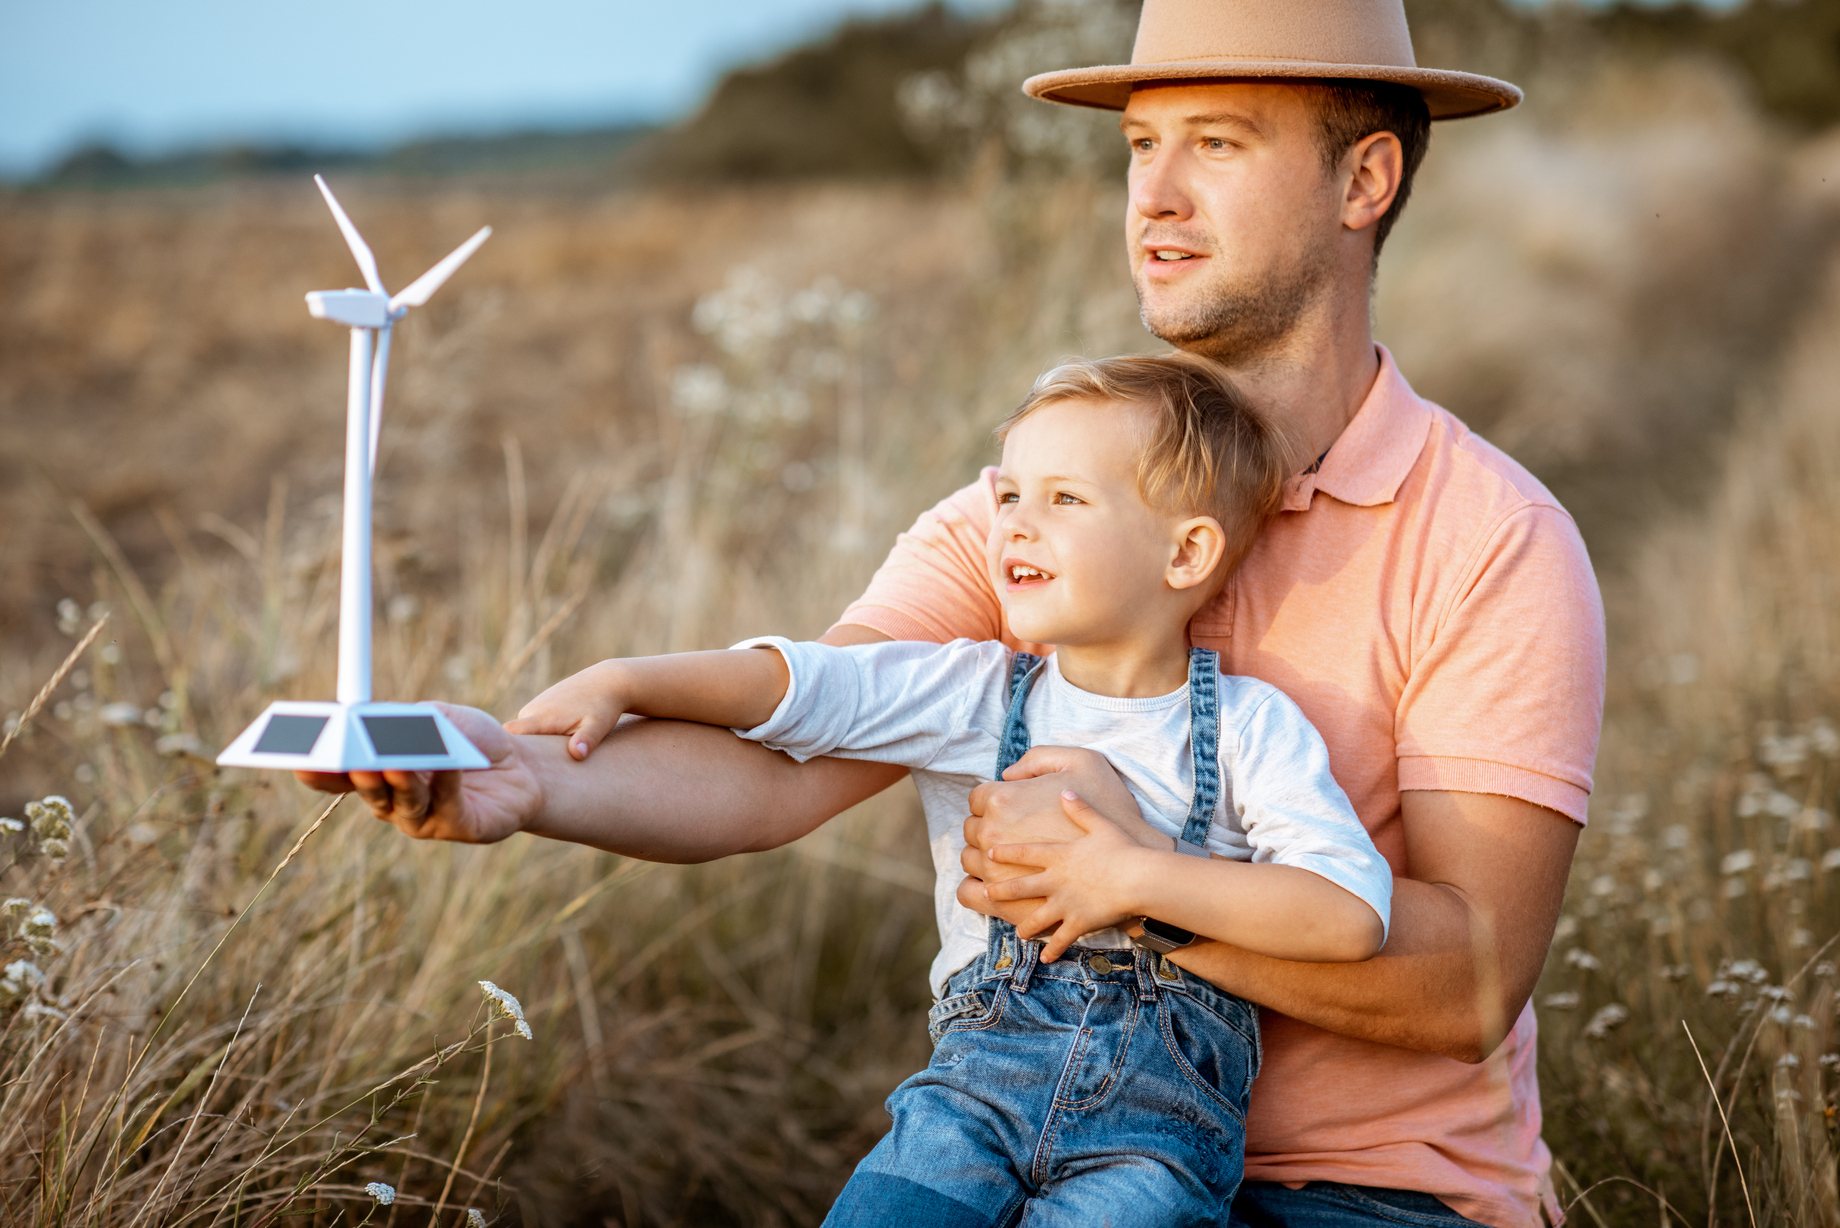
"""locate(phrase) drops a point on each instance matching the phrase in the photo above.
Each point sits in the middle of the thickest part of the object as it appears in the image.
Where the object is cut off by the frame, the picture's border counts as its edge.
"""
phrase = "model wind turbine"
(357, 733)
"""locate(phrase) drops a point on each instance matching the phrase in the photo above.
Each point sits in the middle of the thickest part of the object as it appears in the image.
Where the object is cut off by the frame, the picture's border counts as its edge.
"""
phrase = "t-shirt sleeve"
(933, 585)
(1508, 695)
(1293, 812)
(915, 704)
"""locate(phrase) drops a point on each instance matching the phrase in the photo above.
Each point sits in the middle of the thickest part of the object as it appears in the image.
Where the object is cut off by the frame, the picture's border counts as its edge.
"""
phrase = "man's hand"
(583, 707)
(480, 807)
(1074, 887)
(1025, 808)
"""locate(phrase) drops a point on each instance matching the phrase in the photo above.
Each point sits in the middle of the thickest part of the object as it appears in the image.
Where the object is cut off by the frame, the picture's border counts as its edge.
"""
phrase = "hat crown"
(1367, 32)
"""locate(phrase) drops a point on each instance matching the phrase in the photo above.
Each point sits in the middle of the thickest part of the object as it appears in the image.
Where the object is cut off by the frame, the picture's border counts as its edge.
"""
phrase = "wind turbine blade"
(419, 291)
(367, 263)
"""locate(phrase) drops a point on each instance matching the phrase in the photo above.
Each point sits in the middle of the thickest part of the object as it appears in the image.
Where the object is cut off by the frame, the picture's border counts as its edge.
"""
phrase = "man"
(1424, 601)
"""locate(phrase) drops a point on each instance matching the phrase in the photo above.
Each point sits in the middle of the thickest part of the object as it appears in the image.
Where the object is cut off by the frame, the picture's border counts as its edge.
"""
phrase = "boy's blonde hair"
(1208, 452)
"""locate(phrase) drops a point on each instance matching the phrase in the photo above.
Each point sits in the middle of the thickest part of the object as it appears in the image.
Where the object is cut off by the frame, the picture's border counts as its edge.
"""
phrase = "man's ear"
(1199, 545)
(1375, 165)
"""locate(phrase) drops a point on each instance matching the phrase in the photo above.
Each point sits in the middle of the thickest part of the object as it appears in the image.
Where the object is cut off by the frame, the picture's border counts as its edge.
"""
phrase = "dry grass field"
(660, 419)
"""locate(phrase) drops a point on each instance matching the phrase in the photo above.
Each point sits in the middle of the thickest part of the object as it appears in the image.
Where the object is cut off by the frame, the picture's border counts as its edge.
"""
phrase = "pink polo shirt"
(1431, 608)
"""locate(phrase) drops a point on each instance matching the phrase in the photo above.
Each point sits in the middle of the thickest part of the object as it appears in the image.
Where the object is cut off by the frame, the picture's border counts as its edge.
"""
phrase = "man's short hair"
(1208, 451)
(1348, 111)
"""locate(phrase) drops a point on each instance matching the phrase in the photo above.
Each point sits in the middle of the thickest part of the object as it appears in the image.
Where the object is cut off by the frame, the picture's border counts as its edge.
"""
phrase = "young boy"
(1110, 1088)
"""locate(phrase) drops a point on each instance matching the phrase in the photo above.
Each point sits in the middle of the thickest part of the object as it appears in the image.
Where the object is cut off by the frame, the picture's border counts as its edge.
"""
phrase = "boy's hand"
(1081, 883)
(583, 707)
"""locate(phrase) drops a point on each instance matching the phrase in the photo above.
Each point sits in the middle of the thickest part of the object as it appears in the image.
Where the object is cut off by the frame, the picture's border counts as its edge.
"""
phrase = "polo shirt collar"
(1370, 460)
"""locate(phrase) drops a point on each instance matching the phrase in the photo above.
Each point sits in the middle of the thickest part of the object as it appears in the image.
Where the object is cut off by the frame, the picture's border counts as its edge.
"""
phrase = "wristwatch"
(1161, 937)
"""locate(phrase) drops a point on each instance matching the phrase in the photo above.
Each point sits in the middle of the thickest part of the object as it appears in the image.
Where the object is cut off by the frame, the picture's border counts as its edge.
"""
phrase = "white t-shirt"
(939, 710)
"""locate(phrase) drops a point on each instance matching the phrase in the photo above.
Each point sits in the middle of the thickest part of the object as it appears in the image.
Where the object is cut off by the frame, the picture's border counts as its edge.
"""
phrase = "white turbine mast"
(364, 735)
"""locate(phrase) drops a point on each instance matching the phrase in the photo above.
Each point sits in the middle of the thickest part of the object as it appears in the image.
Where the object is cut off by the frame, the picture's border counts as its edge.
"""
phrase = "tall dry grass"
(641, 421)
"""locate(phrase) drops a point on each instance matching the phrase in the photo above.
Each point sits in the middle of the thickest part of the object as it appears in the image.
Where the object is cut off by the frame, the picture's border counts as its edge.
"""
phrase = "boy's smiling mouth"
(1020, 573)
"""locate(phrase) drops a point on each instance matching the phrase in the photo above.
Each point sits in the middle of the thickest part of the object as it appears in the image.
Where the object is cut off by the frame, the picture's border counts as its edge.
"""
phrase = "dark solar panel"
(405, 735)
(290, 735)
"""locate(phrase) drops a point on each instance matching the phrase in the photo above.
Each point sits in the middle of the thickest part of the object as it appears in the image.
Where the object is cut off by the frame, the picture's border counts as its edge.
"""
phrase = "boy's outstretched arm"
(738, 689)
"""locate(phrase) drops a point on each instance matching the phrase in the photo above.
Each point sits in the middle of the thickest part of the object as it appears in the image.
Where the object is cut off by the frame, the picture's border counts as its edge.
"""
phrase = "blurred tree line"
(932, 91)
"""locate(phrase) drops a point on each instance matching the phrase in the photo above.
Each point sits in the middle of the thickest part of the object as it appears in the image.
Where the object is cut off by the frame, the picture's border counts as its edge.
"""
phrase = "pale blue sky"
(156, 74)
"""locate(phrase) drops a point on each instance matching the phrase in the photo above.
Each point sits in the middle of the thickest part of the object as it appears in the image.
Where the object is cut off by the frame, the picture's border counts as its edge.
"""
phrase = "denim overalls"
(1106, 1088)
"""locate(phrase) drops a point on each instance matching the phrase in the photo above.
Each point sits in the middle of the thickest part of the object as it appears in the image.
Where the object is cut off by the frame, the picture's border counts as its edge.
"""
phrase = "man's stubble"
(1240, 320)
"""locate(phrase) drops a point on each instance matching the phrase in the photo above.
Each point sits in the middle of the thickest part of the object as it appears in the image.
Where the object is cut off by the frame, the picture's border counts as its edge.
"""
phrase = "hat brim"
(1448, 95)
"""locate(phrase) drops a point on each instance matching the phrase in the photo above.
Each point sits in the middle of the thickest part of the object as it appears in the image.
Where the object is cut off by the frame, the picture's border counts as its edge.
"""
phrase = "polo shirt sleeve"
(1507, 695)
(933, 585)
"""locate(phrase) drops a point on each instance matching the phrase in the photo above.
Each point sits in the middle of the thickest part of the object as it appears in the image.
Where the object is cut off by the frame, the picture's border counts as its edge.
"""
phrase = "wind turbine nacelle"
(352, 308)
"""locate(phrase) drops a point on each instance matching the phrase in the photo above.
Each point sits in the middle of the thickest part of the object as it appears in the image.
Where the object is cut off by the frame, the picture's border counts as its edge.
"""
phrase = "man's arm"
(1472, 919)
(658, 790)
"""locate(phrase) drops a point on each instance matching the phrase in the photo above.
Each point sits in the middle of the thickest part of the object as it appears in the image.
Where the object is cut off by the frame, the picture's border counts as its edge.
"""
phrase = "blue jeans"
(1106, 1088)
(1330, 1204)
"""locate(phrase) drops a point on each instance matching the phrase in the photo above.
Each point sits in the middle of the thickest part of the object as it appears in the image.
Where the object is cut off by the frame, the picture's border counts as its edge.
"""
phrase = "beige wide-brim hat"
(1258, 40)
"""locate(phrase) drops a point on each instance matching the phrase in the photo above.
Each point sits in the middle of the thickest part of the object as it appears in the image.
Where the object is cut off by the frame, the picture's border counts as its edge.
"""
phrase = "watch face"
(1169, 936)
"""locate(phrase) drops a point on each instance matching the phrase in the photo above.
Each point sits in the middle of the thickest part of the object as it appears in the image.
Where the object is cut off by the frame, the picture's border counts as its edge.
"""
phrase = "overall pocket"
(958, 1010)
(1220, 1055)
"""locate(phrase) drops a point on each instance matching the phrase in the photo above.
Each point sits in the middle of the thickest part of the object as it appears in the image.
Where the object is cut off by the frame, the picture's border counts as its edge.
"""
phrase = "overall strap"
(1024, 668)
(1204, 740)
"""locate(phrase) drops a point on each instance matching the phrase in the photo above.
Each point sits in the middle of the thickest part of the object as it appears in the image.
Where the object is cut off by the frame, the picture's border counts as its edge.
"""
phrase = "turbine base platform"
(306, 736)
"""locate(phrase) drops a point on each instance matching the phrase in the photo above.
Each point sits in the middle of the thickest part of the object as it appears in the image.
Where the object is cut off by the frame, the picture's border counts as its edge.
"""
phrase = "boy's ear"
(1199, 545)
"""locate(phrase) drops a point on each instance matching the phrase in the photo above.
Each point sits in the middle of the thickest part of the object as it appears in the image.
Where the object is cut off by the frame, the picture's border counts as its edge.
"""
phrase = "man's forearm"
(678, 792)
(1432, 988)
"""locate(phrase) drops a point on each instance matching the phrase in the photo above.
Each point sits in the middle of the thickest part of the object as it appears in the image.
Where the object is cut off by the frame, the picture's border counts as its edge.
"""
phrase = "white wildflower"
(51, 818)
(1750, 970)
(1802, 1021)
(40, 923)
(1824, 968)
(1676, 972)
(1608, 1017)
(384, 1194)
(1566, 1001)
(1738, 862)
(175, 744)
(70, 616)
(120, 714)
(15, 906)
(1676, 836)
(1830, 860)
(507, 1006)
(20, 978)
(1788, 1061)
(38, 1010)
(1830, 1061)
(1724, 989)
(1823, 738)
(475, 1218)
(1580, 958)
(11, 825)
(1781, 1016)
(56, 850)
